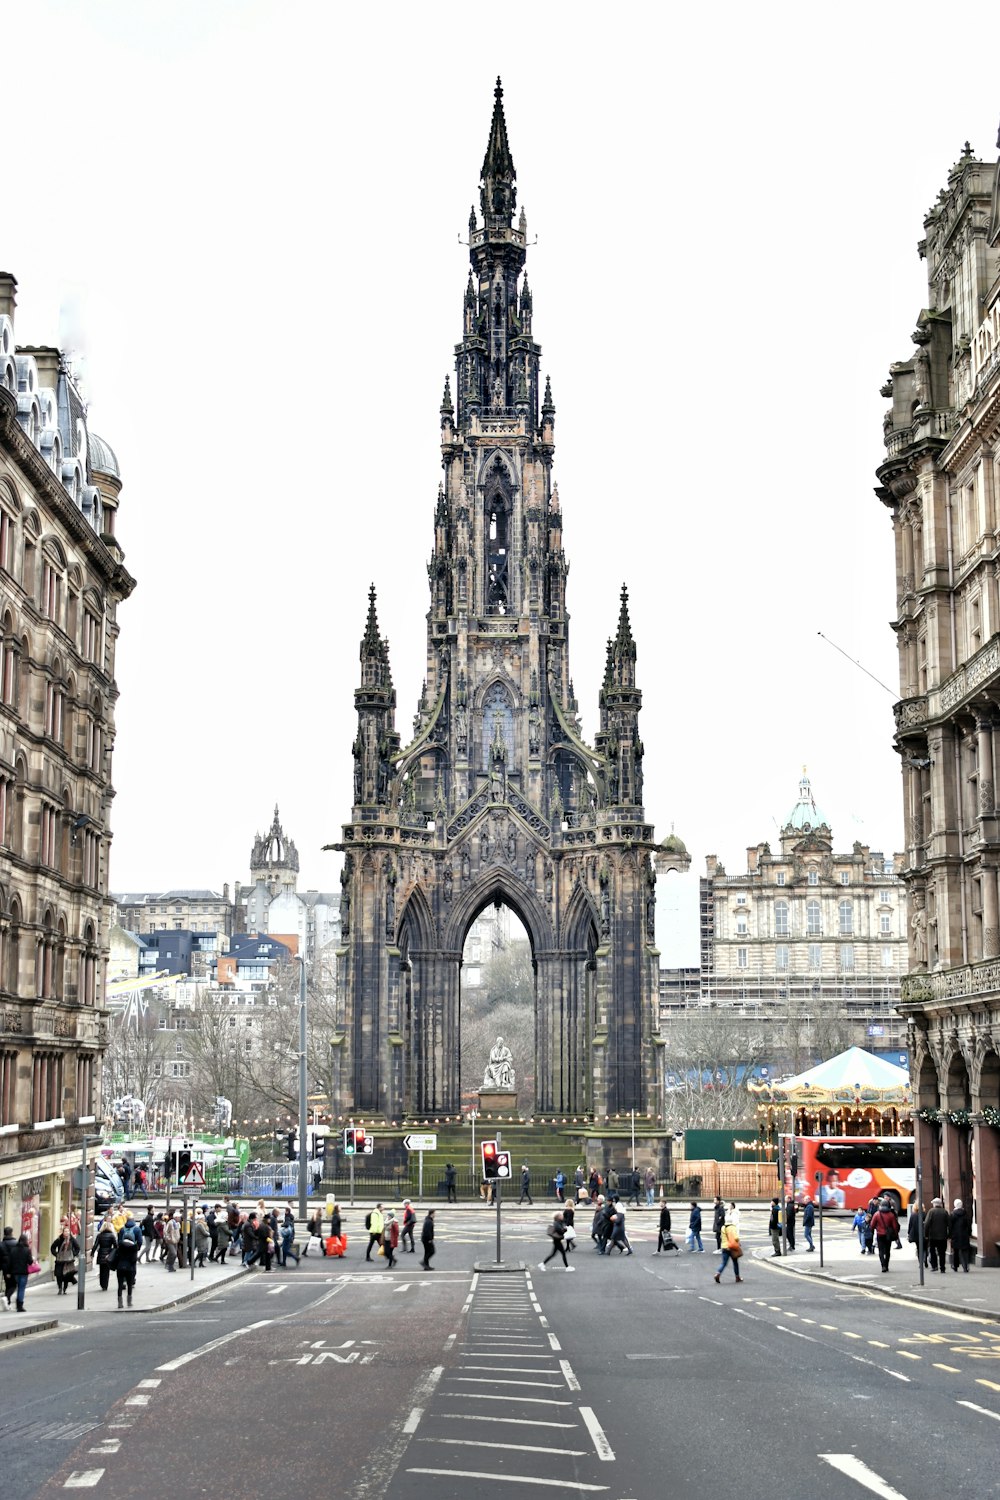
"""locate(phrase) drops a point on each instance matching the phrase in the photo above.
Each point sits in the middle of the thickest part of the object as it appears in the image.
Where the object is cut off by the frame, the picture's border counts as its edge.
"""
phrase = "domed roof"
(805, 815)
(673, 845)
(102, 457)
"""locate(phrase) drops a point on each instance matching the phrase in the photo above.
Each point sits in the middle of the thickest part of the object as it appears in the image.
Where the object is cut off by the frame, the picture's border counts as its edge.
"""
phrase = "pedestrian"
(936, 1225)
(650, 1184)
(213, 1229)
(694, 1228)
(597, 1226)
(860, 1224)
(613, 1182)
(731, 1248)
(64, 1252)
(808, 1220)
(791, 1211)
(390, 1239)
(374, 1223)
(288, 1238)
(19, 1263)
(202, 1238)
(569, 1223)
(578, 1179)
(139, 1183)
(127, 1257)
(125, 1172)
(560, 1186)
(450, 1178)
(172, 1240)
(960, 1234)
(525, 1184)
(317, 1180)
(886, 1229)
(105, 1244)
(409, 1220)
(266, 1243)
(619, 1238)
(774, 1228)
(336, 1228)
(148, 1230)
(635, 1186)
(314, 1231)
(7, 1245)
(557, 1234)
(664, 1233)
(718, 1219)
(427, 1240)
(594, 1184)
(913, 1233)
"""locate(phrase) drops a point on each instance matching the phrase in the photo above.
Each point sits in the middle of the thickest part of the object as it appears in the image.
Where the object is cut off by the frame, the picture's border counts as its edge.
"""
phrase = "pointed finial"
(472, 221)
(446, 406)
(548, 405)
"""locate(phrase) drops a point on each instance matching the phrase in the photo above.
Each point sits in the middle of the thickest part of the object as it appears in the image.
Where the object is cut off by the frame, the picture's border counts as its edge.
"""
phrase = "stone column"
(926, 1151)
(951, 1171)
(986, 1157)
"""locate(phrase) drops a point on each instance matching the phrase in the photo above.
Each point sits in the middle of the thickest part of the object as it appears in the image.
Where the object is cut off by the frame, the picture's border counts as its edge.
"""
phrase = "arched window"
(8, 661)
(496, 705)
(814, 924)
(781, 919)
(846, 918)
(12, 973)
(88, 967)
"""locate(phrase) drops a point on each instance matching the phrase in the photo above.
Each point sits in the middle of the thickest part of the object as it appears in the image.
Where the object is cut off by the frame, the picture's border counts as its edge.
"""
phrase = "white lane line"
(237, 1333)
(413, 1420)
(983, 1411)
(148, 1385)
(475, 1281)
(141, 1400)
(449, 1341)
(754, 1317)
(514, 1447)
(273, 1291)
(855, 1469)
(489, 1416)
(554, 1342)
(795, 1333)
(509, 1369)
(514, 1354)
(554, 1484)
(896, 1375)
(716, 1303)
(526, 1400)
(593, 1426)
(83, 1479)
(541, 1385)
(107, 1446)
(571, 1379)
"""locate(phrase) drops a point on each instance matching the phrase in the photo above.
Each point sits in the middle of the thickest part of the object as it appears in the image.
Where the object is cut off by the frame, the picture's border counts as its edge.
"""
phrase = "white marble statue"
(500, 1068)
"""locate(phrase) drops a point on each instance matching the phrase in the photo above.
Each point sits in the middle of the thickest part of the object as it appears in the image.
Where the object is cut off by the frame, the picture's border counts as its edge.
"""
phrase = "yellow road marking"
(905, 1354)
(990, 1384)
(950, 1368)
(829, 1327)
(848, 1335)
(877, 1344)
(809, 1320)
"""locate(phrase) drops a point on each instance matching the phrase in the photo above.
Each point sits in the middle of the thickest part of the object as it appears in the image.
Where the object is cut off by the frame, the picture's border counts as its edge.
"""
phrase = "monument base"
(497, 1101)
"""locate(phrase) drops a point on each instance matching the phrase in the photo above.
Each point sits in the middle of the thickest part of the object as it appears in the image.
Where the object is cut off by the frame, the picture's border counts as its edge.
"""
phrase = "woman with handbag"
(64, 1252)
(731, 1248)
(105, 1246)
(20, 1265)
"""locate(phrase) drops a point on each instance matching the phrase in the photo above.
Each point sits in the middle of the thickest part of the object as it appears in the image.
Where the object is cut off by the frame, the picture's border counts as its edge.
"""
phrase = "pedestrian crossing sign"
(194, 1177)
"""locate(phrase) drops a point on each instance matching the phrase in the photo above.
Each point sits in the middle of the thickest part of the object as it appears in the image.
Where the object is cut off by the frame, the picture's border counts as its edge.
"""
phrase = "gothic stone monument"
(497, 797)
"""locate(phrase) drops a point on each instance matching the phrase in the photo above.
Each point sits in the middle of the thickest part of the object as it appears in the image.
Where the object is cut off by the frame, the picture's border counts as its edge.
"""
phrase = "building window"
(741, 958)
(814, 925)
(781, 957)
(846, 957)
(741, 925)
(815, 956)
(845, 877)
(780, 877)
(6, 541)
(887, 957)
(781, 919)
(846, 918)
(51, 600)
(885, 923)
(814, 877)
(741, 900)
(885, 898)
(91, 642)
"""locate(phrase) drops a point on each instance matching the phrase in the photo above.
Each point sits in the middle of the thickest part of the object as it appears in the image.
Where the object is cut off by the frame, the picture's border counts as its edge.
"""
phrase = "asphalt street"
(631, 1377)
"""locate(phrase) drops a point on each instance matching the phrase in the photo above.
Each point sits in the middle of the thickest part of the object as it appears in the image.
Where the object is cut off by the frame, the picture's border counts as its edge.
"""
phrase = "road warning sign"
(194, 1177)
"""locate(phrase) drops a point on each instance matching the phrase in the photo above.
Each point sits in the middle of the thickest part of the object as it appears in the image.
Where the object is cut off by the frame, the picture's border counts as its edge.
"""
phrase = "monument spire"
(497, 196)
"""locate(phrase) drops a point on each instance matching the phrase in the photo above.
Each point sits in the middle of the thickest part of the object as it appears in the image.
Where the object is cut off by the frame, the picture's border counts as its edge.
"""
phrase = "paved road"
(631, 1377)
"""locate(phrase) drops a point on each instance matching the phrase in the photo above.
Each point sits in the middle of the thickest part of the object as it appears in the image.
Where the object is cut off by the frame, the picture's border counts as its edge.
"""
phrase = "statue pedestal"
(497, 1101)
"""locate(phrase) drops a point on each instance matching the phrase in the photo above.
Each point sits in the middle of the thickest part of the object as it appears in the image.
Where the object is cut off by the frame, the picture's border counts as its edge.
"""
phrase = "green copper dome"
(805, 815)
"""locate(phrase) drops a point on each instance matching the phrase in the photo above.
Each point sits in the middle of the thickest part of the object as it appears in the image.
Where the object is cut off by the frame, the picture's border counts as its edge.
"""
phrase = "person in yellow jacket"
(375, 1225)
(731, 1249)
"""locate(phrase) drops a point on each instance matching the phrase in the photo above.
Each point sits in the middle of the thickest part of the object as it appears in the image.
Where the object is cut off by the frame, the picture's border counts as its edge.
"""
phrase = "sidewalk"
(976, 1294)
(156, 1288)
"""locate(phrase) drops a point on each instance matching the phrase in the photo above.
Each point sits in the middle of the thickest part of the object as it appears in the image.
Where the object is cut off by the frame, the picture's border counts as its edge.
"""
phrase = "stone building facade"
(272, 902)
(497, 797)
(941, 482)
(806, 930)
(61, 581)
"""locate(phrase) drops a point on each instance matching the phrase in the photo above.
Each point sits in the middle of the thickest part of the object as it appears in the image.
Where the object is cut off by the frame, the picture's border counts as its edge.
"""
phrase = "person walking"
(375, 1224)
(808, 1220)
(390, 1239)
(64, 1252)
(202, 1238)
(936, 1225)
(960, 1234)
(557, 1234)
(105, 1244)
(525, 1184)
(409, 1220)
(634, 1186)
(613, 1183)
(288, 1238)
(6, 1246)
(731, 1248)
(578, 1179)
(664, 1231)
(694, 1228)
(560, 1186)
(774, 1228)
(885, 1226)
(594, 1184)
(650, 1184)
(913, 1233)
(450, 1179)
(266, 1243)
(172, 1240)
(718, 1219)
(569, 1224)
(336, 1228)
(19, 1260)
(619, 1238)
(427, 1240)
(127, 1257)
(126, 1176)
(791, 1211)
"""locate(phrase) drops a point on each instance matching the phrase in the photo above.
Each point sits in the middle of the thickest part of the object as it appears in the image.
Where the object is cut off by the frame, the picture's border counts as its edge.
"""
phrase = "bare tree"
(709, 1058)
(503, 1004)
(133, 1062)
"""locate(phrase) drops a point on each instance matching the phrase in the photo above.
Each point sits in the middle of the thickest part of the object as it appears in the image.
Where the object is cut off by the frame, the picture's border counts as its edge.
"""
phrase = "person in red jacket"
(885, 1227)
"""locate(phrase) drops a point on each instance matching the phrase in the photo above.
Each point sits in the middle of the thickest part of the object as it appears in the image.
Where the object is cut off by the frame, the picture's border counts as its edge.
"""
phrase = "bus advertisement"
(852, 1169)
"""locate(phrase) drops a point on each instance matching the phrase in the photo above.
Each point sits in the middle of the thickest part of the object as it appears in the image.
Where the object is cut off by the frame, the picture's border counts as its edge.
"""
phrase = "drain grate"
(47, 1432)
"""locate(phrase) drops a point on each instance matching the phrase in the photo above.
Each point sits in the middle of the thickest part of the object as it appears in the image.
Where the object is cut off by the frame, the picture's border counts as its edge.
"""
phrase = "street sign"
(420, 1142)
(194, 1177)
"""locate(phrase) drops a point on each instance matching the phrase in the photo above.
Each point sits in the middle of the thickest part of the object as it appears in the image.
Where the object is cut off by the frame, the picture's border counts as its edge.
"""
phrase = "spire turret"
(375, 700)
(497, 195)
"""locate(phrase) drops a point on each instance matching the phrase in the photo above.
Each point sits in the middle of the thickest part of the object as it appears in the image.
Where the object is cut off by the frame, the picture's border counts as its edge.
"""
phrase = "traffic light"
(366, 1143)
(496, 1164)
(349, 1140)
(183, 1164)
(291, 1145)
(361, 1145)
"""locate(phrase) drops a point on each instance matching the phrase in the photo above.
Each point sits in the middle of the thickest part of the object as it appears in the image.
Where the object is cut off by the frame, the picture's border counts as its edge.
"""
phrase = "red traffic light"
(359, 1138)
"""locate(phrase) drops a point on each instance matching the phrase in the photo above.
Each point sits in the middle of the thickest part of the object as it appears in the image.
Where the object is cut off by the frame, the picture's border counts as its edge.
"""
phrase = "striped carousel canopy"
(852, 1077)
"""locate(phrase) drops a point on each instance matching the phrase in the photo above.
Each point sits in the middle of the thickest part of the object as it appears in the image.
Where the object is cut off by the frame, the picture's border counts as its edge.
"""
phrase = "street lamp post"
(303, 1098)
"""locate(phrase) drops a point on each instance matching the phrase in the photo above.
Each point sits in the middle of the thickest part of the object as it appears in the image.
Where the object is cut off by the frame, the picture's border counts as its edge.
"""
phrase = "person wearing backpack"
(557, 1233)
(127, 1257)
(374, 1224)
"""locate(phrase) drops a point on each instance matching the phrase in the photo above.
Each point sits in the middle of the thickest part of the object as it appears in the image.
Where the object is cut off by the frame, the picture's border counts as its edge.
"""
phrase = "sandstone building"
(61, 581)
(941, 482)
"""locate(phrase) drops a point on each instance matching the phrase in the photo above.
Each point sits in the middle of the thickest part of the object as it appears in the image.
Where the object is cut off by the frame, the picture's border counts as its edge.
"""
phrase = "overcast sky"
(245, 219)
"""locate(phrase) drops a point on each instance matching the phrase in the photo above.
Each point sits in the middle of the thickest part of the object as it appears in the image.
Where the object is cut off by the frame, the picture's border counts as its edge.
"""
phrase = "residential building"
(941, 482)
(61, 580)
(182, 910)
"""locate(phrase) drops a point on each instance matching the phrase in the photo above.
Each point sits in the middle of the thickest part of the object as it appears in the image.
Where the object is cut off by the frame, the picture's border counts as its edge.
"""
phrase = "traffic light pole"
(498, 1186)
(351, 1159)
(303, 1097)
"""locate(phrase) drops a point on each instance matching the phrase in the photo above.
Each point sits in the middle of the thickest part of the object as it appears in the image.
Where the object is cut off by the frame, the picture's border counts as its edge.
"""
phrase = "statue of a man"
(500, 1068)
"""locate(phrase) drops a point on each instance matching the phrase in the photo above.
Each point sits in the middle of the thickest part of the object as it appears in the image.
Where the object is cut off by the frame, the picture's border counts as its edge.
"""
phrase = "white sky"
(246, 216)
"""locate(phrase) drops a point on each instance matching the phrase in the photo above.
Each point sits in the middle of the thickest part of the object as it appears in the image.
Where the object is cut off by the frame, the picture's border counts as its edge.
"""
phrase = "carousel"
(854, 1093)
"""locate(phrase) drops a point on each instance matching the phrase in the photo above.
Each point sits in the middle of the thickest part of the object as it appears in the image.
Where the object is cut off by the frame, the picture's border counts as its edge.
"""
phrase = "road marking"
(488, 1416)
(571, 1379)
(989, 1384)
(449, 1341)
(754, 1317)
(554, 1342)
(509, 1354)
(107, 1446)
(952, 1369)
(829, 1327)
(237, 1333)
(716, 1303)
(983, 1411)
(514, 1447)
(663, 1356)
(140, 1400)
(905, 1354)
(528, 1400)
(148, 1385)
(877, 1344)
(809, 1320)
(555, 1484)
(413, 1420)
(273, 1291)
(795, 1333)
(885, 1371)
(541, 1385)
(510, 1369)
(849, 1335)
(855, 1469)
(83, 1479)
(593, 1426)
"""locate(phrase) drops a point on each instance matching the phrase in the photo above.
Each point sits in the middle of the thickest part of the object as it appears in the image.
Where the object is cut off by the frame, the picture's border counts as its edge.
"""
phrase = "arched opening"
(497, 1000)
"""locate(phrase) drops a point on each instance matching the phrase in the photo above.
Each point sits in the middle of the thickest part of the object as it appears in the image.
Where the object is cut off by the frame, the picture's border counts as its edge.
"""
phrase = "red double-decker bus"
(852, 1169)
